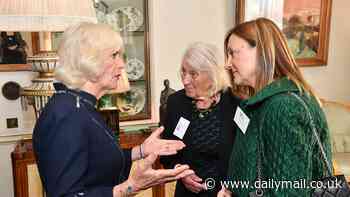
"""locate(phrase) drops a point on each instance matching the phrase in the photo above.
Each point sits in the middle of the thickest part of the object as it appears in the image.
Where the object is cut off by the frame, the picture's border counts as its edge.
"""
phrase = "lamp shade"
(44, 15)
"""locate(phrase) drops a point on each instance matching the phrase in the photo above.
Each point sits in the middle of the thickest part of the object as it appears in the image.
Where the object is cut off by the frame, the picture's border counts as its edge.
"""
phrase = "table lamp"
(43, 16)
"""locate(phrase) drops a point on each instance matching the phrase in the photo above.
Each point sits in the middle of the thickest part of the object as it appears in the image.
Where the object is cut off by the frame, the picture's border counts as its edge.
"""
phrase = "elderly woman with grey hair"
(201, 115)
(76, 152)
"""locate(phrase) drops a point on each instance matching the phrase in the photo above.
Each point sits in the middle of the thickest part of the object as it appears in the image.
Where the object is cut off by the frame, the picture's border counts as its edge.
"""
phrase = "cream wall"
(6, 180)
(173, 25)
(11, 109)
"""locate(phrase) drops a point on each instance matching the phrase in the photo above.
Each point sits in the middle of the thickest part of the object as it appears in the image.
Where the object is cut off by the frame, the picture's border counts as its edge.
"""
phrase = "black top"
(75, 150)
(204, 142)
(208, 140)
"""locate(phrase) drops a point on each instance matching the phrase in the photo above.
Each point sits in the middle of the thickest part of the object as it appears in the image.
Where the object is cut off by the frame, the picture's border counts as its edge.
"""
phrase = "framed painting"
(305, 24)
(14, 49)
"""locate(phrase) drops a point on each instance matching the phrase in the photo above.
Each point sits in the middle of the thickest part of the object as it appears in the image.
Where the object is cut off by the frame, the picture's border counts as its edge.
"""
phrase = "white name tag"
(181, 127)
(241, 119)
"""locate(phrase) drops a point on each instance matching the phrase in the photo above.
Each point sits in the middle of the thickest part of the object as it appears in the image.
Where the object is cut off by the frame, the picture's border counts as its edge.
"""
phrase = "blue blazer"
(75, 150)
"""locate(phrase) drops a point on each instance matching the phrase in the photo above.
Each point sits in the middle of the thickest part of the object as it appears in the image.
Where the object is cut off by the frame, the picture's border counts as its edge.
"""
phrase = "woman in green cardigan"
(273, 122)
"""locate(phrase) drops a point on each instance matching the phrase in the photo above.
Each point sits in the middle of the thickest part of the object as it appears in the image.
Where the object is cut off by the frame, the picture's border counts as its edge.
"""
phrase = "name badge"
(241, 119)
(181, 127)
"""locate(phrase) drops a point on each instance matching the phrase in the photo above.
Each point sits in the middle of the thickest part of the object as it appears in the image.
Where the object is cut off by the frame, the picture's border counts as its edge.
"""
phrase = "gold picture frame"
(305, 23)
(32, 48)
(9, 65)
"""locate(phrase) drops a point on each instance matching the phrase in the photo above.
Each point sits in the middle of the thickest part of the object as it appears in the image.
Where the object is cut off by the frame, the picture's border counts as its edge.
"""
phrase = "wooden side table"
(22, 157)
(111, 117)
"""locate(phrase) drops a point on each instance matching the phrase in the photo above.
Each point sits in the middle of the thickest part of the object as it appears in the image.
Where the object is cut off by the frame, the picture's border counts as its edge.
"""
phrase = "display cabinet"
(130, 18)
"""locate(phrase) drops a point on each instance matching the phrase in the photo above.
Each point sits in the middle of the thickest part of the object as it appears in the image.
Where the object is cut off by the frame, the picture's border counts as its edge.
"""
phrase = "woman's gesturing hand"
(153, 144)
(144, 176)
(193, 183)
(224, 192)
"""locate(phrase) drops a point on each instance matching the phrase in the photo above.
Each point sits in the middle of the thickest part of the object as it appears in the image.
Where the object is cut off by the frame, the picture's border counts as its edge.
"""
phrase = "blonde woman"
(76, 152)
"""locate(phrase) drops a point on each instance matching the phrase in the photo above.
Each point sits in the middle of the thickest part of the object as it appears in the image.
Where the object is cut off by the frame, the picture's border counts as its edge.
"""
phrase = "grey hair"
(204, 57)
(81, 52)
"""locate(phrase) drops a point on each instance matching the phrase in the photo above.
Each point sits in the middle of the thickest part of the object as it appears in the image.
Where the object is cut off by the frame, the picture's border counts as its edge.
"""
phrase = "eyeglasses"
(193, 74)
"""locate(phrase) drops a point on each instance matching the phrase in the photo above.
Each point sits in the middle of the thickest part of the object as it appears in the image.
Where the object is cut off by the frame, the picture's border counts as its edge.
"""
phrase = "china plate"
(125, 18)
(101, 17)
(135, 68)
(133, 101)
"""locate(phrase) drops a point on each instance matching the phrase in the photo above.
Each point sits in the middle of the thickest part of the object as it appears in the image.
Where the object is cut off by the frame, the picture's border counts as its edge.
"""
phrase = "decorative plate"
(135, 68)
(133, 101)
(101, 17)
(125, 18)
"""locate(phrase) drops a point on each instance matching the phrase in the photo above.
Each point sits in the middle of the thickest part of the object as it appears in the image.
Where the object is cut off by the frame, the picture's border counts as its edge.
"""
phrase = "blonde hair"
(203, 57)
(275, 59)
(81, 52)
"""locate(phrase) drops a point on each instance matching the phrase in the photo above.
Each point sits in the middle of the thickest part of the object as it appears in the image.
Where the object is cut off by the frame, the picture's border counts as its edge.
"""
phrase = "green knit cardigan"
(289, 150)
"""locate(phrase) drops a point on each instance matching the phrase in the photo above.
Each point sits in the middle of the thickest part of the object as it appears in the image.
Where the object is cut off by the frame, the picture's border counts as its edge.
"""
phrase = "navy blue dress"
(75, 150)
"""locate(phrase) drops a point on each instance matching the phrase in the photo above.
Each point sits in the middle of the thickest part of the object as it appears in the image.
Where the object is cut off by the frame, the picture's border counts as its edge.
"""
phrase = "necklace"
(202, 113)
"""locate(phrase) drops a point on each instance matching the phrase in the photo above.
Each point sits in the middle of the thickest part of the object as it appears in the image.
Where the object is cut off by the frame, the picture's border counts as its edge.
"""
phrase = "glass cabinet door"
(130, 19)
